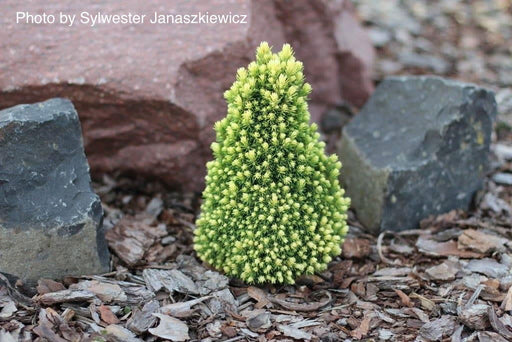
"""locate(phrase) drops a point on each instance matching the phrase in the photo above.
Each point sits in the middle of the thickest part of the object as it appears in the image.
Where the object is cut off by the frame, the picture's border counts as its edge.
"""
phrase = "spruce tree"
(273, 208)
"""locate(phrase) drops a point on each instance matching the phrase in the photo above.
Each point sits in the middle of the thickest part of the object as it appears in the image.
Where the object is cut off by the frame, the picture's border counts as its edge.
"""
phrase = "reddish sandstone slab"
(148, 94)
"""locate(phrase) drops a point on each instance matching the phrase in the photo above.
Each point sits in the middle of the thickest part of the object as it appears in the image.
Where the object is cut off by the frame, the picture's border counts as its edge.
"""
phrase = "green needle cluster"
(273, 208)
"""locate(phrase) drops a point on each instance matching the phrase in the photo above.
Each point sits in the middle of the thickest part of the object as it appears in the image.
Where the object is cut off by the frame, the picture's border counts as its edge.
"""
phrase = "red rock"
(148, 94)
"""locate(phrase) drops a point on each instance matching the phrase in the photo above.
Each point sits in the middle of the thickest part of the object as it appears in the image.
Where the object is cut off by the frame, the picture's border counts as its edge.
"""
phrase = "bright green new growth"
(273, 208)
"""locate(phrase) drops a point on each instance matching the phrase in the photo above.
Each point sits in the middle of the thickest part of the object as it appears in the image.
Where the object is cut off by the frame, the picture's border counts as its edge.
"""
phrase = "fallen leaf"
(363, 328)
(107, 315)
(259, 295)
(228, 331)
(406, 301)
(170, 328)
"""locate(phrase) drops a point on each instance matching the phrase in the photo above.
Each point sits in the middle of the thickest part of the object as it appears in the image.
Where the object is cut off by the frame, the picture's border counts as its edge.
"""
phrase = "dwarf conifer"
(273, 208)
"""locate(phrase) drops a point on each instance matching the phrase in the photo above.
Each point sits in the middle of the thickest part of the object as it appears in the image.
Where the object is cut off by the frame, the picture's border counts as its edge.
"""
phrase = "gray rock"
(50, 218)
(416, 60)
(379, 37)
(419, 147)
(335, 118)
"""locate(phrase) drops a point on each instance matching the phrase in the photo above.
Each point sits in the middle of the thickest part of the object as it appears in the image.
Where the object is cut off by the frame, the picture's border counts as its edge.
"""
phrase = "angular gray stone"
(418, 147)
(50, 218)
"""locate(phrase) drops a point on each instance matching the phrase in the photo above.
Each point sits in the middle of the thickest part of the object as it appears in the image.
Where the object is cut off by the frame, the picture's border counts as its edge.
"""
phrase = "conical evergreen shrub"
(273, 208)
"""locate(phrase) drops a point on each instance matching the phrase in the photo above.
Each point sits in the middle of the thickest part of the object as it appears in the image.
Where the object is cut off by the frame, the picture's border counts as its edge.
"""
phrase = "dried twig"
(379, 250)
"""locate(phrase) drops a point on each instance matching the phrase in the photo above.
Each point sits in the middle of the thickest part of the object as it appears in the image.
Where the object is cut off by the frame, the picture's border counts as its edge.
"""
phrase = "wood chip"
(488, 267)
(259, 321)
(478, 241)
(65, 296)
(436, 330)
(444, 271)
(356, 248)
(392, 272)
(486, 336)
(105, 291)
(425, 302)
(475, 316)
(496, 204)
(498, 325)
(294, 332)
(131, 238)
(119, 333)
(8, 310)
(142, 319)
(449, 248)
(171, 280)
(182, 309)
(6, 336)
(420, 314)
(45, 328)
(48, 285)
(507, 302)
(170, 328)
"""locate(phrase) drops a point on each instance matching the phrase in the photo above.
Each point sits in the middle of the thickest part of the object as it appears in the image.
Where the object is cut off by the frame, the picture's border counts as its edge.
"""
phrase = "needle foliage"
(273, 208)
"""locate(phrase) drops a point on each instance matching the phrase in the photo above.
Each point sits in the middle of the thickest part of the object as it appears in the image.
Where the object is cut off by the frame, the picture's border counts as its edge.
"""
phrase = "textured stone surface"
(418, 147)
(148, 95)
(50, 218)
